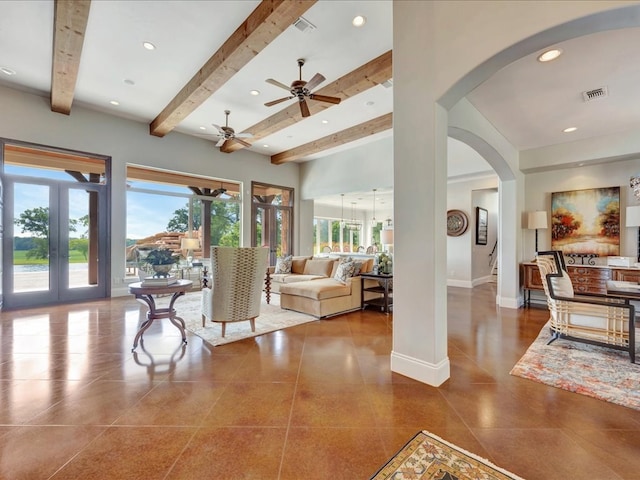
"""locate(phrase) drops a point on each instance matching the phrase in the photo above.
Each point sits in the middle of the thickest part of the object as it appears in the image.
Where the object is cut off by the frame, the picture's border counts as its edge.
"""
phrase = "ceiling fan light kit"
(301, 90)
(227, 133)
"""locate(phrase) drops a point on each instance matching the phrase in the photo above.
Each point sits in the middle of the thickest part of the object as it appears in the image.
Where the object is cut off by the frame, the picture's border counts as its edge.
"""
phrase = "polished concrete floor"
(317, 401)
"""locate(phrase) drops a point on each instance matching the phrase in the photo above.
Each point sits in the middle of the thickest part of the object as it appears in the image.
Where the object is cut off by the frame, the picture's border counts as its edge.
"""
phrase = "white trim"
(429, 373)
(459, 283)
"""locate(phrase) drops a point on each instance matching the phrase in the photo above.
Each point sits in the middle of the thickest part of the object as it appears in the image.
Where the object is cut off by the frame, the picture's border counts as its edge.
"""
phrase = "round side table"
(144, 294)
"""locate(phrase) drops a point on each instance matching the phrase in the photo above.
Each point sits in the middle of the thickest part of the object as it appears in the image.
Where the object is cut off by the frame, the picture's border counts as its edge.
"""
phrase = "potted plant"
(161, 260)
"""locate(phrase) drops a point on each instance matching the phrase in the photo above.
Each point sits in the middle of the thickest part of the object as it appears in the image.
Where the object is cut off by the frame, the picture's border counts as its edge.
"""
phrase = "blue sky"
(147, 214)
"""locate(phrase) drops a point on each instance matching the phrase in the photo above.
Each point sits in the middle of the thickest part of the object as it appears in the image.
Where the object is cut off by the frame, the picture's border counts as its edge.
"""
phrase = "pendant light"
(353, 224)
(374, 222)
(342, 210)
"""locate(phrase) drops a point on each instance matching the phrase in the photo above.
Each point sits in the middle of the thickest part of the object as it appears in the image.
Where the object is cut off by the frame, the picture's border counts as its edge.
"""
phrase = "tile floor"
(317, 401)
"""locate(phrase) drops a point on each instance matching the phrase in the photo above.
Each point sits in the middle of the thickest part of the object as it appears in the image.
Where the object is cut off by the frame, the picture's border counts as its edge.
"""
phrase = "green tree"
(225, 216)
(180, 220)
(79, 244)
(34, 221)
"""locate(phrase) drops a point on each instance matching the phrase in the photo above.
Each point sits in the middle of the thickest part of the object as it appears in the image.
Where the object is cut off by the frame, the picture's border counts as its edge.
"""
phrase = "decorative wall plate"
(457, 223)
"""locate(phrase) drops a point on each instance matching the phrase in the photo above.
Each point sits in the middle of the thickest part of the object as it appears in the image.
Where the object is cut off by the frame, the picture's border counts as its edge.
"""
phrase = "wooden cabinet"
(589, 279)
(585, 278)
(626, 275)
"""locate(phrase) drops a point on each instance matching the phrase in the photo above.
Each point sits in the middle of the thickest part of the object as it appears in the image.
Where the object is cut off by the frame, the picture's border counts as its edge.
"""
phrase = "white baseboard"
(431, 374)
(479, 281)
(459, 283)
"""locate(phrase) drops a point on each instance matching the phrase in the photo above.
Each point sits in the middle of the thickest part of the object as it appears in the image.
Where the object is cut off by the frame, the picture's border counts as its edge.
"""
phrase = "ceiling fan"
(227, 133)
(301, 90)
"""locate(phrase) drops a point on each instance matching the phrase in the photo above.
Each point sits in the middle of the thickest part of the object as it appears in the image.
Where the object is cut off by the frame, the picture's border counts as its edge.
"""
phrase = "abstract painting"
(586, 221)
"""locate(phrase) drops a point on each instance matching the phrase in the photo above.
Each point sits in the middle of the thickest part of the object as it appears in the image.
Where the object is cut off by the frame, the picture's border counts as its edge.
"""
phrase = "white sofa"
(315, 291)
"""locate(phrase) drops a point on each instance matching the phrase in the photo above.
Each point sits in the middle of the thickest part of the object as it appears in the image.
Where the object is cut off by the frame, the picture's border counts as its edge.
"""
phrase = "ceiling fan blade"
(221, 142)
(246, 144)
(244, 135)
(219, 128)
(315, 81)
(275, 102)
(304, 108)
(277, 83)
(324, 98)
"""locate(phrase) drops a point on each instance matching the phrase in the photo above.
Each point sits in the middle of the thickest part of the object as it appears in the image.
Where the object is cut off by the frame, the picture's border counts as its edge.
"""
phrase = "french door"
(272, 226)
(45, 222)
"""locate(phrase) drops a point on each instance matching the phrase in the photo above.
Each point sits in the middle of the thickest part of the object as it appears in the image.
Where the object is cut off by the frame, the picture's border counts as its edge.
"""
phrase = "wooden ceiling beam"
(371, 127)
(367, 76)
(265, 23)
(69, 27)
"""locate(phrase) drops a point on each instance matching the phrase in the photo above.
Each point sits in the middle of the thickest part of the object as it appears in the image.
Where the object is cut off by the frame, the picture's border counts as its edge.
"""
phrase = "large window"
(163, 206)
(333, 235)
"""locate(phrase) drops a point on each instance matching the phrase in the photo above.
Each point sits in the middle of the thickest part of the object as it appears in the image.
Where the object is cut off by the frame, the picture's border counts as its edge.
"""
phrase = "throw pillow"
(283, 264)
(345, 271)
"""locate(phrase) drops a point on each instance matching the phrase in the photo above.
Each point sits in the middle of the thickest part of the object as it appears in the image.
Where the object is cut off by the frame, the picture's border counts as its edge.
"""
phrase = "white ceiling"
(528, 102)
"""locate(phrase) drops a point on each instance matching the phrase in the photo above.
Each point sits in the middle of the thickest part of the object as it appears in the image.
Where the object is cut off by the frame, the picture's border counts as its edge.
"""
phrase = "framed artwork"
(586, 221)
(482, 219)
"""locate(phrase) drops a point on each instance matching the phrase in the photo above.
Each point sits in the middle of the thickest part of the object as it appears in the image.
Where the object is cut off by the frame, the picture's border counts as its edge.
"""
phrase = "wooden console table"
(585, 278)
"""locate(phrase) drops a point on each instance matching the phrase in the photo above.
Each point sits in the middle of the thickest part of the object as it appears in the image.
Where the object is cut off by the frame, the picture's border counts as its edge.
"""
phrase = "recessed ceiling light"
(202, 128)
(7, 71)
(370, 103)
(325, 121)
(265, 145)
(549, 55)
(359, 21)
(128, 81)
(148, 45)
(114, 102)
(255, 93)
(570, 129)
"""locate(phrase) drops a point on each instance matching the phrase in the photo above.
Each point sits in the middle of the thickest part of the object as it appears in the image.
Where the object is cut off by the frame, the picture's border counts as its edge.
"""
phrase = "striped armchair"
(237, 279)
(594, 319)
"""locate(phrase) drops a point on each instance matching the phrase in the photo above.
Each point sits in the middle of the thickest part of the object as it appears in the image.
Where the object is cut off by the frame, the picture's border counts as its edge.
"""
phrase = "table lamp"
(633, 220)
(535, 221)
(189, 244)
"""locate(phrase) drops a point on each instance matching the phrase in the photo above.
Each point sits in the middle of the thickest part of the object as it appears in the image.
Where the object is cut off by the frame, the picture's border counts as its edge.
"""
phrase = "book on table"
(159, 281)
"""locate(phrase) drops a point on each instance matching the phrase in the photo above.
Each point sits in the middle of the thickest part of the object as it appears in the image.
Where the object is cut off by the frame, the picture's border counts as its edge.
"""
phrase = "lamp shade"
(386, 236)
(633, 216)
(537, 220)
(189, 243)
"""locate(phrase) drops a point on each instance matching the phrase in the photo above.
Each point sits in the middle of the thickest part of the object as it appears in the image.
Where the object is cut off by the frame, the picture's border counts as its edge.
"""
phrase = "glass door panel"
(30, 219)
(80, 257)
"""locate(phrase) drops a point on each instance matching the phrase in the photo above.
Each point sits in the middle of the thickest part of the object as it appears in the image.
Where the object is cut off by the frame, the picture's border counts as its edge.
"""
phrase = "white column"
(420, 185)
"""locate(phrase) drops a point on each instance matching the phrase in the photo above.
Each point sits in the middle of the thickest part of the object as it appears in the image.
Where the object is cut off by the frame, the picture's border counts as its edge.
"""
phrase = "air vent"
(387, 83)
(595, 94)
(304, 25)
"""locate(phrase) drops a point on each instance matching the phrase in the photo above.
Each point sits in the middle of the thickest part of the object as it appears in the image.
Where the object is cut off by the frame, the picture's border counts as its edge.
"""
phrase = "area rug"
(597, 372)
(428, 457)
(271, 318)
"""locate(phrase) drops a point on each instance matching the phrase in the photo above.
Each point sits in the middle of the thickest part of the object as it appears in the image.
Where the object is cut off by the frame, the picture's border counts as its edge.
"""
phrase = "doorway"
(55, 236)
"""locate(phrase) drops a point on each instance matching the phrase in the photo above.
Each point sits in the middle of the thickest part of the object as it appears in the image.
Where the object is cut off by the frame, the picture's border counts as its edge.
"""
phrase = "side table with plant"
(161, 261)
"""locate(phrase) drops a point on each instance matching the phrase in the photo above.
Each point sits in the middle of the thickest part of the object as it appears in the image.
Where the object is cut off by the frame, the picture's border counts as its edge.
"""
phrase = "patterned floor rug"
(594, 371)
(271, 318)
(428, 457)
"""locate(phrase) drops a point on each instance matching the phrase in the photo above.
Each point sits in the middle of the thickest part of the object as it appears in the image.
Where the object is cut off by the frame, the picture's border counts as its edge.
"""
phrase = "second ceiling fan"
(301, 90)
